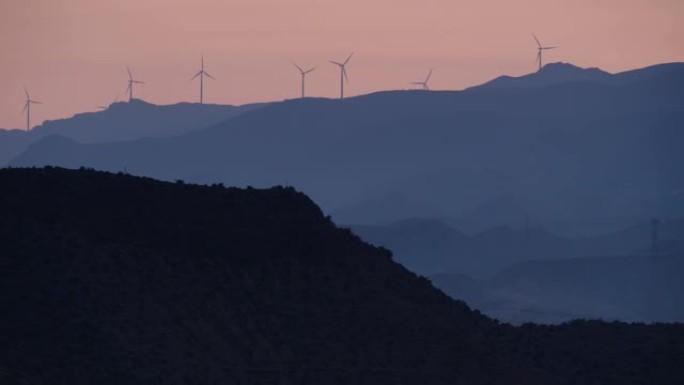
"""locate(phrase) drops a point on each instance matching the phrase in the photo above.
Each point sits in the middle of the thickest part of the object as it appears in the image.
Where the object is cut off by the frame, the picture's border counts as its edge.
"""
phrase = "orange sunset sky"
(72, 54)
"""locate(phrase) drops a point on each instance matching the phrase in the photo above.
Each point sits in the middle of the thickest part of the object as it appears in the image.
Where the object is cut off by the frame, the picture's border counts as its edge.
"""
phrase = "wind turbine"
(343, 74)
(131, 81)
(202, 74)
(425, 83)
(540, 48)
(303, 75)
(27, 108)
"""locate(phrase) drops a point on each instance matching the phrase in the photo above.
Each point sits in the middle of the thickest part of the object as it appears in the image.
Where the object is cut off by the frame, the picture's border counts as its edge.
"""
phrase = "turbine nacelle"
(131, 81)
(303, 73)
(540, 49)
(202, 73)
(424, 83)
(27, 108)
(343, 73)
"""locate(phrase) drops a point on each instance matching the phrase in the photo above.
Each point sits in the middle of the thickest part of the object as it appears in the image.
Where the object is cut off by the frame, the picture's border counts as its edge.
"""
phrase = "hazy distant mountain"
(572, 150)
(12, 143)
(426, 194)
(111, 279)
(139, 119)
(430, 246)
(425, 246)
(628, 289)
(123, 121)
(384, 209)
(503, 210)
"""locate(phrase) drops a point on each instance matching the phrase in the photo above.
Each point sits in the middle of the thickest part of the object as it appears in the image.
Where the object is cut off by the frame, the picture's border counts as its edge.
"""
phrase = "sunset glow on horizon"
(72, 54)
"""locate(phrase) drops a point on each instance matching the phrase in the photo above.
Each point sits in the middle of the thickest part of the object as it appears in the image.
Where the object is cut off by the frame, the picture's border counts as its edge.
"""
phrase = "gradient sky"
(71, 54)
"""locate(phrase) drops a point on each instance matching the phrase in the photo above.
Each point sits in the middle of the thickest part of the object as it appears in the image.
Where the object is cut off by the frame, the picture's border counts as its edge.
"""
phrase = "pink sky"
(71, 54)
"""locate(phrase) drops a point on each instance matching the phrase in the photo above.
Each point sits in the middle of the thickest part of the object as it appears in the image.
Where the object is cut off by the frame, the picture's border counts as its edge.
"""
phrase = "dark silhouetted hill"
(133, 280)
(123, 121)
(113, 279)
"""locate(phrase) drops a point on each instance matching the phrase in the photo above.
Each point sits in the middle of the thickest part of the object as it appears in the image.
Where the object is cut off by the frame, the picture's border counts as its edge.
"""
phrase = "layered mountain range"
(567, 144)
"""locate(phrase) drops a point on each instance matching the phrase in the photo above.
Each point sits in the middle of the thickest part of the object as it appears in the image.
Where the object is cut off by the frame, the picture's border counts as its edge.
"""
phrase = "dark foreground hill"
(111, 279)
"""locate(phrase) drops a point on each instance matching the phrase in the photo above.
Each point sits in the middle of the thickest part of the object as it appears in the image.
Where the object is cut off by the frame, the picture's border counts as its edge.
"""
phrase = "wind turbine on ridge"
(27, 108)
(343, 73)
(424, 83)
(131, 81)
(540, 48)
(201, 75)
(303, 75)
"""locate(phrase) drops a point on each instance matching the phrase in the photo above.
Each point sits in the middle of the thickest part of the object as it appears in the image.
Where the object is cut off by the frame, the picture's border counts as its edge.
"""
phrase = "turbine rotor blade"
(138, 82)
(311, 70)
(344, 73)
(130, 76)
(27, 93)
(36, 102)
(428, 77)
(339, 64)
(25, 107)
(537, 40)
(196, 75)
(211, 77)
(548, 47)
(349, 58)
(298, 67)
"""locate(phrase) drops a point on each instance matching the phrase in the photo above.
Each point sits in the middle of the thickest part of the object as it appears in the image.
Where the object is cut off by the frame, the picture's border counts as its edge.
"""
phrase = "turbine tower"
(343, 73)
(201, 75)
(424, 83)
(540, 48)
(27, 108)
(303, 75)
(131, 81)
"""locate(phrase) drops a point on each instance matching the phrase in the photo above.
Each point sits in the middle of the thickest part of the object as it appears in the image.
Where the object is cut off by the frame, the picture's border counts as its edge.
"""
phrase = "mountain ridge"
(122, 121)
(560, 72)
